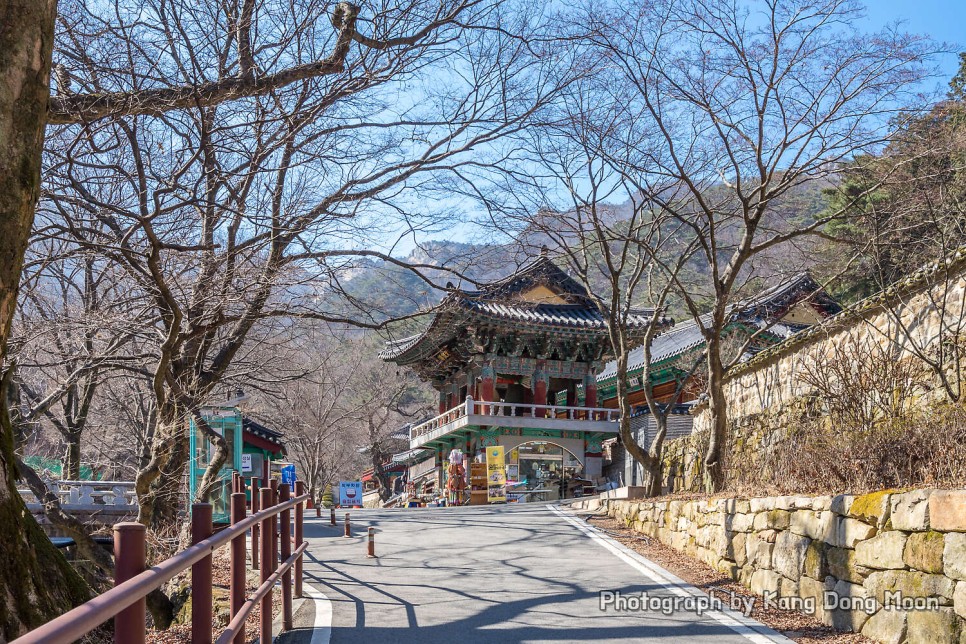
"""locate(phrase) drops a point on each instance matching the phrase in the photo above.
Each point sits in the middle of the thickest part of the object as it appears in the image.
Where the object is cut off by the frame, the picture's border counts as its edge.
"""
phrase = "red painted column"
(487, 387)
(590, 390)
(540, 386)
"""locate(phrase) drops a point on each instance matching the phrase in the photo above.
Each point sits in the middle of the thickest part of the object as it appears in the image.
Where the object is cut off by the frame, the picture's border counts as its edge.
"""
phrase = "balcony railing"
(89, 495)
(498, 413)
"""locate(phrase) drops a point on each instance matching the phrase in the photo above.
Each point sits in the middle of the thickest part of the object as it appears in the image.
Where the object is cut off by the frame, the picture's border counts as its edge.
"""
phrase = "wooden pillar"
(541, 383)
(487, 387)
(590, 390)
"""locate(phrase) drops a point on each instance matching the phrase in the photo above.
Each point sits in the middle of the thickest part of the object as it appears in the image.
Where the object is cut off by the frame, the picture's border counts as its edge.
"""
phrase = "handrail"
(79, 621)
(241, 616)
(471, 407)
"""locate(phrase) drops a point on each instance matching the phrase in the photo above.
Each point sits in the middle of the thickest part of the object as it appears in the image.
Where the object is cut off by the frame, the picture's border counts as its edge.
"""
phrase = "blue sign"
(350, 493)
(288, 475)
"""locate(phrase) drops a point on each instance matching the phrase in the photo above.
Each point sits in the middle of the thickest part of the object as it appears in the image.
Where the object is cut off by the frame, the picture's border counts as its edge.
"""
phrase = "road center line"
(744, 626)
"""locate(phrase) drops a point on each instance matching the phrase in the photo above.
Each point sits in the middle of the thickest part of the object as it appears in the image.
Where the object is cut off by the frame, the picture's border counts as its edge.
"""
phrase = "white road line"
(322, 629)
(744, 626)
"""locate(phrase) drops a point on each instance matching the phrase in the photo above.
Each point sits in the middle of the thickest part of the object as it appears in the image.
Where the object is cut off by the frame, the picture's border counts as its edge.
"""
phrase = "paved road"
(519, 573)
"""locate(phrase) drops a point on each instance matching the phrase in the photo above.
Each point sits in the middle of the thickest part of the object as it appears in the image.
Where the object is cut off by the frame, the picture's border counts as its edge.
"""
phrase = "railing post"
(201, 608)
(238, 587)
(285, 538)
(299, 517)
(274, 485)
(129, 561)
(255, 528)
(266, 496)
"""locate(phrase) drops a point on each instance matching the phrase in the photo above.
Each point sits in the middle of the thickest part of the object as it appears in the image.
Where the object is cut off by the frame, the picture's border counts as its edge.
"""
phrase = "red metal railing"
(133, 581)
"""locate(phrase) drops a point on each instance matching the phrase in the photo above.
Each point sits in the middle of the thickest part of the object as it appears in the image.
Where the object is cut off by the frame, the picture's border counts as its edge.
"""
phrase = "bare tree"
(735, 107)
(230, 214)
(624, 253)
(181, 66)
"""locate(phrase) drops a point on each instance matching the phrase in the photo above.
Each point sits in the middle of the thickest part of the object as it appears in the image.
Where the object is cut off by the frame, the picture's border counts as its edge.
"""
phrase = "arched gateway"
(514, 364)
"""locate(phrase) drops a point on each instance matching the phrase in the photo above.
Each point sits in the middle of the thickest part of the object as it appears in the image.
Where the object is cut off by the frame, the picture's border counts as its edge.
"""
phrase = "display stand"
(477, 483)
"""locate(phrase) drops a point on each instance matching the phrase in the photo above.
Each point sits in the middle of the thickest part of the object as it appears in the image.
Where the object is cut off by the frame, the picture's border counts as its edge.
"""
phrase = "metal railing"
(484, 408)
(133, 581)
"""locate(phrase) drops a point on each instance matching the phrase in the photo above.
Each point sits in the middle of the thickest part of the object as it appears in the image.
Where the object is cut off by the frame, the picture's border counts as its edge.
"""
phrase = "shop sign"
(350, 493)
(495, 475)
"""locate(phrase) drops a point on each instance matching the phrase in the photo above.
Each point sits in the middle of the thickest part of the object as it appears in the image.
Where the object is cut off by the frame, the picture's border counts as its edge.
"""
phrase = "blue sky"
(942, 20)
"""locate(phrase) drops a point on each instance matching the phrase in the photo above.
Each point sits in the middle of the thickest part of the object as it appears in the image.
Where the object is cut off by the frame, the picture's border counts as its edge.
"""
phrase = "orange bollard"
(348, 527)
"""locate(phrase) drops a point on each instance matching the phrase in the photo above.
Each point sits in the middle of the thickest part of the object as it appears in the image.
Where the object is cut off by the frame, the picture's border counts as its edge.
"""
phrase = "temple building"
(769, 318)
(515, 364)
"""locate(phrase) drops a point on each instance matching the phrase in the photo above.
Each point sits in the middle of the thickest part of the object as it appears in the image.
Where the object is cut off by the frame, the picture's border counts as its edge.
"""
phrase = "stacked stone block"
(868, 547)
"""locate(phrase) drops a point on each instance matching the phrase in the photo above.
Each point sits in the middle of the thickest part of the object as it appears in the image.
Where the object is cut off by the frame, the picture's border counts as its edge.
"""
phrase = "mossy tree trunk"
(36, 582)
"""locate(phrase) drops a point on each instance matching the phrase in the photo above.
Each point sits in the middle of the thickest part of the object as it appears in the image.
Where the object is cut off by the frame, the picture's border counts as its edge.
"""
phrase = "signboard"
(288, 475)
(495, 475)
(350, 493)
(246, 463)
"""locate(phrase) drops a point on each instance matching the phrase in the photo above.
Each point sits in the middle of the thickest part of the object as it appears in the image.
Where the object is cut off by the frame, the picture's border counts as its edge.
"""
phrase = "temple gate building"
(515, 364)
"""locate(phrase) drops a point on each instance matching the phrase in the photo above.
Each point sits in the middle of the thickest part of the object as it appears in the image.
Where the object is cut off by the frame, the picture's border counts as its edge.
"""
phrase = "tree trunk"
(159, 484)
(717, 409)
(87, 548)
(36, 582)
(72, 456)
(654, 467)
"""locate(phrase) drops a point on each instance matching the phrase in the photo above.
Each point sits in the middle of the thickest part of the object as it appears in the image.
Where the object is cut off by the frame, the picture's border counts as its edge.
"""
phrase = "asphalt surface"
(518, 573)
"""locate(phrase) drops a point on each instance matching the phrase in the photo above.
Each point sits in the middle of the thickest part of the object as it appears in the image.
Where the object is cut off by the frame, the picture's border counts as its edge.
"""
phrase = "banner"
(288, 476)
(495, 475)
(350, 493)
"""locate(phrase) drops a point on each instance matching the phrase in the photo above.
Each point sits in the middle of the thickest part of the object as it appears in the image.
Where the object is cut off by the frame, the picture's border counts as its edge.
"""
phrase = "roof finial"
(544, 251)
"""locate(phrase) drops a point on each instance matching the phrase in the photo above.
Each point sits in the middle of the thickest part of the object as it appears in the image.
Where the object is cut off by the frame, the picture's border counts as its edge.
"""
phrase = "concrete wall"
(828, 550)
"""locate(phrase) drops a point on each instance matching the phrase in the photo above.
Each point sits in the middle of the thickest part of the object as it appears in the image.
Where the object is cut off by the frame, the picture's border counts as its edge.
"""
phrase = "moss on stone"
(871, 507)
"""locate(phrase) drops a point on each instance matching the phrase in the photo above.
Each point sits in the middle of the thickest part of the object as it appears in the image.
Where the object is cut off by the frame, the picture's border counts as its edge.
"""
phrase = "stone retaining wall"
(864, 549)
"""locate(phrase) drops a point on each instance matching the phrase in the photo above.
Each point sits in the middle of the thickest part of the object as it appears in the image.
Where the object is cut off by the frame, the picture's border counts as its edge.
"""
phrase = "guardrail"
(125, 603)
(486, 408)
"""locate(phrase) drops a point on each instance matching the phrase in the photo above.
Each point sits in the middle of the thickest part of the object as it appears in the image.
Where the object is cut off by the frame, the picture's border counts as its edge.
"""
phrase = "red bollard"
(348, 527)
(265, 617)
(332, 515)
(256, 529)
(318, 511)
(201, 606)
(285, 540)
(237, 589)
(371, 552)
(129, 560)
(299, 517)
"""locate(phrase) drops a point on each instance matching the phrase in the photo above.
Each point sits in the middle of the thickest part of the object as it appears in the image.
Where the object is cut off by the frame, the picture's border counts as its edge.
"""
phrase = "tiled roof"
(687, 336)
(493, 302)
(925, 277)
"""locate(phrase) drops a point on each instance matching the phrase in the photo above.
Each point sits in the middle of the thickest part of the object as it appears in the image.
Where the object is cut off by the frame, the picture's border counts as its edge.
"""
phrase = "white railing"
(118, 495)
(483, 408)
